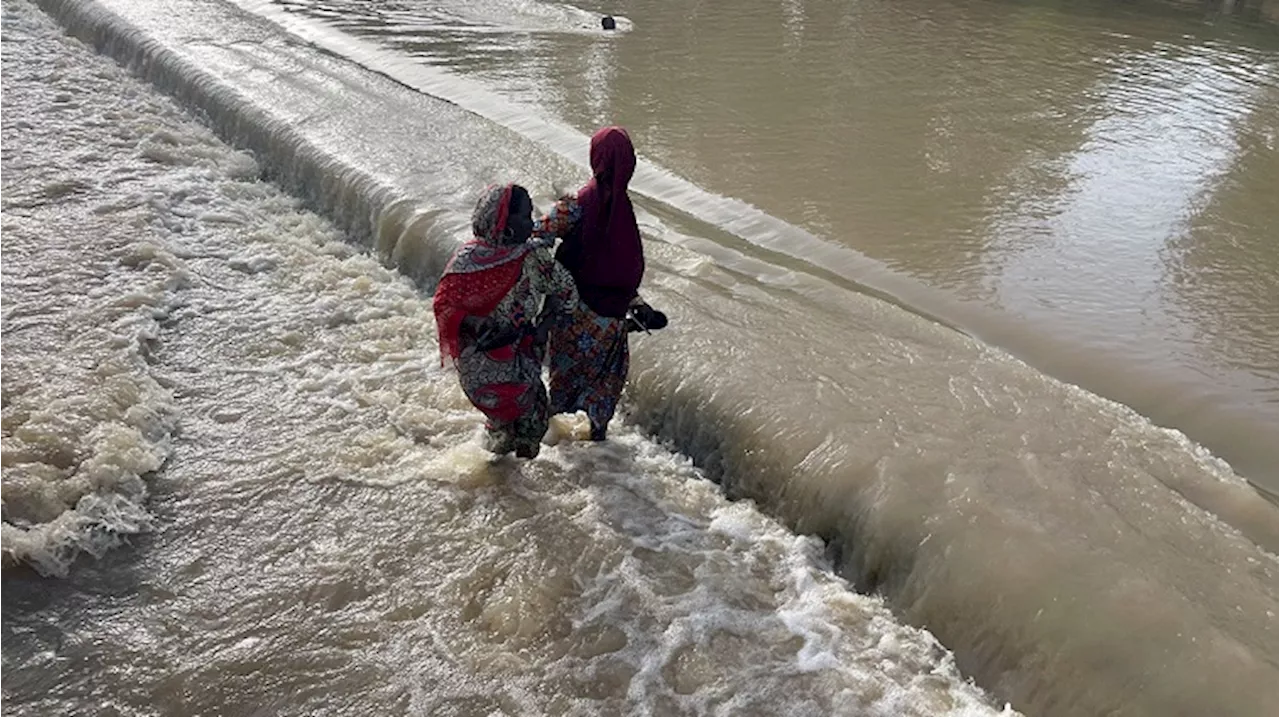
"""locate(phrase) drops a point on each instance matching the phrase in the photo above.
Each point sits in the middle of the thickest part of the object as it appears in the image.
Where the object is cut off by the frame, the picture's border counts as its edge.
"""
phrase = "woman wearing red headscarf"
(602, 250)
(486, 306)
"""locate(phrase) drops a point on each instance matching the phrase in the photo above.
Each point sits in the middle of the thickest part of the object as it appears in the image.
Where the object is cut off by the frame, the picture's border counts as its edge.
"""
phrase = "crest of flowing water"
(833, 211)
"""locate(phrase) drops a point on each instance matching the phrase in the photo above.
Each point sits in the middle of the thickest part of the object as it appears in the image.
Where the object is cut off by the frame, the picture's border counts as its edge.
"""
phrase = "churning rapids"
(218, 353)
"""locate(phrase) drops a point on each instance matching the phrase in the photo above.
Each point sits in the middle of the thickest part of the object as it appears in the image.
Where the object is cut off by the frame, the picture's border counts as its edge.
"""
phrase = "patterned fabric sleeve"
(559, 221)
(552, 279)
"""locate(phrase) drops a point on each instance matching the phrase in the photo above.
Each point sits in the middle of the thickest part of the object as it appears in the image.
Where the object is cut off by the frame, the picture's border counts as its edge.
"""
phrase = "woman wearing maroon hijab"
(601, 249)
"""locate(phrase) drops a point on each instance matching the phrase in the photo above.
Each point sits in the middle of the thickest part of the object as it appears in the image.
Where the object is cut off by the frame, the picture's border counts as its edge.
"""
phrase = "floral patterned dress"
(499, 278)
(506, 383)
(590, 355)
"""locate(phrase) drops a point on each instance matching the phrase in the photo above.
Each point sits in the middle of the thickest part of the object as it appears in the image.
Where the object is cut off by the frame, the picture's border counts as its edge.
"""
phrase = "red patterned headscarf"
(480, 273)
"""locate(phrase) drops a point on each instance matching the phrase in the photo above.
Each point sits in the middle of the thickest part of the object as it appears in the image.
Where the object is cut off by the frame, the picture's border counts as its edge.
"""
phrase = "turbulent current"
(237, 479)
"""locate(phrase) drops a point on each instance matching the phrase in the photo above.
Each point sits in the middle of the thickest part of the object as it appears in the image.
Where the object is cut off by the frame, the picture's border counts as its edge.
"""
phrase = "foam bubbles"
(331, 517)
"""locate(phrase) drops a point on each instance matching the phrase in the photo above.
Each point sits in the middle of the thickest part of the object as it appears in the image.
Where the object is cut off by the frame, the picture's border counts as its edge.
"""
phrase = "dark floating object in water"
(608, 23)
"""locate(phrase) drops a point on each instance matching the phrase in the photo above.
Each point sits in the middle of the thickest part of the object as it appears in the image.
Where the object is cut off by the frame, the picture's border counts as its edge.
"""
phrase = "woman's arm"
(555, 281)
(559, 221)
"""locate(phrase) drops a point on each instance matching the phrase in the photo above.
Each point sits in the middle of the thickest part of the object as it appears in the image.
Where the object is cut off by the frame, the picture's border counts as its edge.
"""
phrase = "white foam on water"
(328, 493)
(85, 422)
(76, 446)
(331, 519)
(797, 625)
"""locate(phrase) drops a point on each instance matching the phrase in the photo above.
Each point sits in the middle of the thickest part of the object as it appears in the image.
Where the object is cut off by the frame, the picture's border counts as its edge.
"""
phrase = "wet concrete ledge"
(1034, 620)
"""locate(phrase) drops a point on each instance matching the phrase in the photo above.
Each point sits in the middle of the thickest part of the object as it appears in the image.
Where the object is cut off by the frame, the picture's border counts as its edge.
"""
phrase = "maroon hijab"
(606, 258)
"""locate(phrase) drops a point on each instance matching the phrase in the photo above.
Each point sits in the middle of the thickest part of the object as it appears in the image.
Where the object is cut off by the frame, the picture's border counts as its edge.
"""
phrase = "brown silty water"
(1093, 189)
(837, 199)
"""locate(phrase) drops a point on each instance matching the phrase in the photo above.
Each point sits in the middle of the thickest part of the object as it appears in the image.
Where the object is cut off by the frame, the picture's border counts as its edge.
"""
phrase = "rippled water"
(194, 352)
(1097, 185)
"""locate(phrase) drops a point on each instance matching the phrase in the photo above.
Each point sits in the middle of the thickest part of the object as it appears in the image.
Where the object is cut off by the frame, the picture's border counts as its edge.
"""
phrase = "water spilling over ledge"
(1042, 533)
